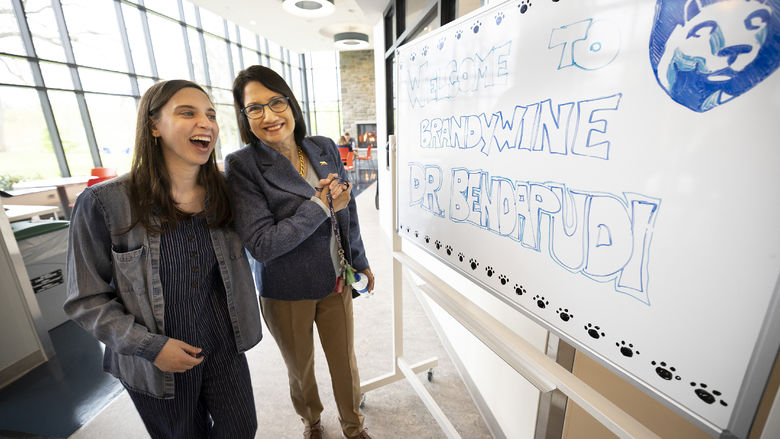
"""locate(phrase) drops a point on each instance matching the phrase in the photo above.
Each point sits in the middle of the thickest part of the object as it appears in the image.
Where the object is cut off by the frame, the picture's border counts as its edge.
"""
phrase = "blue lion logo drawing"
(707, 52)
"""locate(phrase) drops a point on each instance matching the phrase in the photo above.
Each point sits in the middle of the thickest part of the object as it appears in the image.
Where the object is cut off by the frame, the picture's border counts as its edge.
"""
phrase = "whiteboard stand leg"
(428, 400)
(409, 371)
(552, 405)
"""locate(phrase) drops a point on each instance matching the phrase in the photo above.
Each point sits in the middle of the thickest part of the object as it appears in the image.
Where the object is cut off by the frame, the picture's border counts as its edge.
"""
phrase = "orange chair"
(368, 153)
(347, 158)
(102, 174)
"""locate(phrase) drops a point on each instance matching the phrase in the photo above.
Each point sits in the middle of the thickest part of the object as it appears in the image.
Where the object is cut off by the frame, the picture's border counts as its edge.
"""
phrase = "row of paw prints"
(477, 25)
(661, 368)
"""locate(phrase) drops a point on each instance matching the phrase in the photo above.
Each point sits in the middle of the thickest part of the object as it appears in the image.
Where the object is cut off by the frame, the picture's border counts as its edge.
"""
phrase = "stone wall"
(358, 102)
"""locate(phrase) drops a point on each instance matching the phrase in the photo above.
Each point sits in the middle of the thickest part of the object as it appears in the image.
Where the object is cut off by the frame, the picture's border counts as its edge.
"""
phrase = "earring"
(157, 141)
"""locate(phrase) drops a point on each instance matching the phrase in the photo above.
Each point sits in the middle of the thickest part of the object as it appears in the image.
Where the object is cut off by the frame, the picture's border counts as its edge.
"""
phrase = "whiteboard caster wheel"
(362, 400)
(430, 375)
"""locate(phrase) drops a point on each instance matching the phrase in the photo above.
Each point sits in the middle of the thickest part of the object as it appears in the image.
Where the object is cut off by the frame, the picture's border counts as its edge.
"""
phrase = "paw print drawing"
(564, 314)
(474, 264)
(524, 6)
(708, 396)
(427, 239)
(461, 256)
(541, 302)
(594, 331)
(425, 51)
(503, 279)
(416, 234)
(412, 56)
(519, 290)
(489, 271)
(475, 27)
(499, 17)
(627, 349)
(407, 229)
(438, 245)
(458, 34)
(664, 371)
(441, 42)
(448, 249)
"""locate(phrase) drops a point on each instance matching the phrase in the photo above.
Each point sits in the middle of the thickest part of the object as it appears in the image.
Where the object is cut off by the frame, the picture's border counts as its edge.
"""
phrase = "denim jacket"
(114, 288)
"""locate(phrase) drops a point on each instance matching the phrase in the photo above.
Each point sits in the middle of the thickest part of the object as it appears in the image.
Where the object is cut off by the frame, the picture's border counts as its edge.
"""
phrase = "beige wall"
(655, 416)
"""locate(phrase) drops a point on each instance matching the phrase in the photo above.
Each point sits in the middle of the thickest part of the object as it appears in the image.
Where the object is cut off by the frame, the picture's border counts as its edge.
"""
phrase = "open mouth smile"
(274, 128)
(201, 142)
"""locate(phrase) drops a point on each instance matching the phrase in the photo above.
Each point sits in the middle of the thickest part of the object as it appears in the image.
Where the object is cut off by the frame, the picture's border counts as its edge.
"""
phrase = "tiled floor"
(58, 397)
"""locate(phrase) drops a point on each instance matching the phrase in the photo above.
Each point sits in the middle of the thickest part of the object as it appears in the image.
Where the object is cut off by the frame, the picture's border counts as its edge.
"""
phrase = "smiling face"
(273, 129)
(717, 45)
(713, 52)
(187, 129)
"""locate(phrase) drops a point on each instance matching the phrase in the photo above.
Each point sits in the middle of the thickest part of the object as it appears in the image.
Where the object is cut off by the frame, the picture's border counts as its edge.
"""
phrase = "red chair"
(347, 158)
(102, 174)
(368, 153)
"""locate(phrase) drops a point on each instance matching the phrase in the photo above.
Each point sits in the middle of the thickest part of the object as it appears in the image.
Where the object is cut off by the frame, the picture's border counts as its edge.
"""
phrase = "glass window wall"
(96, 31)
(15, 71)
(94, 34)
(26, 152)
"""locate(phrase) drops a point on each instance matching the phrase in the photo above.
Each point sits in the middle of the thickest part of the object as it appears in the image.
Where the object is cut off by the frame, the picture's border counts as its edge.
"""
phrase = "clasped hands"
(340, 190)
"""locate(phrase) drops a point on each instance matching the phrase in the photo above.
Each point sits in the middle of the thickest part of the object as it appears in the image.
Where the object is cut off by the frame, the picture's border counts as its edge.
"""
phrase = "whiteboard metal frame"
(760, 365)
(540, 370)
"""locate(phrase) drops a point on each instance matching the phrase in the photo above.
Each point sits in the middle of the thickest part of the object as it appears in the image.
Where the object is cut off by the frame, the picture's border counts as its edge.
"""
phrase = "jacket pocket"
(130, 270)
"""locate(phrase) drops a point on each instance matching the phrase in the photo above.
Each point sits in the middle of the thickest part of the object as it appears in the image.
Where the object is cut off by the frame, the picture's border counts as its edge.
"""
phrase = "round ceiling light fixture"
(309, 8)
(350, 40)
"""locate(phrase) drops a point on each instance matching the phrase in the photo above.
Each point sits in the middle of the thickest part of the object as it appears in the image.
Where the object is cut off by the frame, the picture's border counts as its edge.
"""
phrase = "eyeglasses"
(256, 111)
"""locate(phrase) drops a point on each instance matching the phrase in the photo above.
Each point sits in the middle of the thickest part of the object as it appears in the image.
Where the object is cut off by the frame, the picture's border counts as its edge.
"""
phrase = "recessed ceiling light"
(350, 40)
(309, 8)
(252, 22)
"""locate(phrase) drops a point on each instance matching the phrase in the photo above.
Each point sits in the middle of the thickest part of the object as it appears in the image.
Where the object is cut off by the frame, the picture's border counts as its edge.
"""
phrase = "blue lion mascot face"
(706, 52)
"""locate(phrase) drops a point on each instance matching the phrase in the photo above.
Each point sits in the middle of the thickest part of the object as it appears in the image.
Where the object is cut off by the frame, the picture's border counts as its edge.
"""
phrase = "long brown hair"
(272, 81)
(150, 184)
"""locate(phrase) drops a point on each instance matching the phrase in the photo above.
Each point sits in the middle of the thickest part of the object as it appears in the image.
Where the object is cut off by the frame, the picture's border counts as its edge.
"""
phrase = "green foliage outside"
(7, 181)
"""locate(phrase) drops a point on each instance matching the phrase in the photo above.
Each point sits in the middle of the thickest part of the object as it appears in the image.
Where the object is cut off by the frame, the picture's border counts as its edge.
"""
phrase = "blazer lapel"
(277, 170)
(318, 156)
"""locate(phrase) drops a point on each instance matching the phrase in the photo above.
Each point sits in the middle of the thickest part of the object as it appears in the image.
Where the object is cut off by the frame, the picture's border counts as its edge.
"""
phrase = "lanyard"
(346, 271)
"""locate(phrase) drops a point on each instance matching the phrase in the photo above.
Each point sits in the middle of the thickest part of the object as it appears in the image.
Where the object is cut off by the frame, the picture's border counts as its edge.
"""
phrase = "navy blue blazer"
(287, 232)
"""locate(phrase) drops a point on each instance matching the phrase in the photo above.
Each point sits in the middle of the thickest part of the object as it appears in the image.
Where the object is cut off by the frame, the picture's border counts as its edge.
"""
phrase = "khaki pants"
(291, 324)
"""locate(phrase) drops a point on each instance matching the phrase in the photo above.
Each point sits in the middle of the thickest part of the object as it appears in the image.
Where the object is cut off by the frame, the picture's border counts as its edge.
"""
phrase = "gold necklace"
(301, 169)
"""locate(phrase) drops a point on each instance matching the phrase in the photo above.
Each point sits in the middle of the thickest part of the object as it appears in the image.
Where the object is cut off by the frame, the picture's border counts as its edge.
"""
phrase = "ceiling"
(268, 19)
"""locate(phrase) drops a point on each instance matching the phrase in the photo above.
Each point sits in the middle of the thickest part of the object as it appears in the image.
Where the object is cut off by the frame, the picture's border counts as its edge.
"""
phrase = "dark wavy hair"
(272, 81)
(150, 184)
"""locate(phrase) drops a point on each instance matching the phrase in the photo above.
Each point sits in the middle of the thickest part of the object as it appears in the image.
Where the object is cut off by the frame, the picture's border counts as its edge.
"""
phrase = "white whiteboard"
(596, 165)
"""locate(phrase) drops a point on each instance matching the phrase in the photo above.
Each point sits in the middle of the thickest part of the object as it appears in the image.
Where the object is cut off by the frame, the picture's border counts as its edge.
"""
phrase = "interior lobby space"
(507, 166)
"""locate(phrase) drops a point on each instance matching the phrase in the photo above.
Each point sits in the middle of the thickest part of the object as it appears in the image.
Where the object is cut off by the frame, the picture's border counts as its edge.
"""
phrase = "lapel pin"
(323, 163)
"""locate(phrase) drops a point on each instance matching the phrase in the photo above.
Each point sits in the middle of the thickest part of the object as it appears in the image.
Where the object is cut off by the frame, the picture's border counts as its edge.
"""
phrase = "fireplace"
(366, 135)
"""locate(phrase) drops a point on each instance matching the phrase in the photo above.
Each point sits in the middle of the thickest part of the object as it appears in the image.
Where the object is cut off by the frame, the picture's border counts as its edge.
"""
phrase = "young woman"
(155, 273)
(280, 184)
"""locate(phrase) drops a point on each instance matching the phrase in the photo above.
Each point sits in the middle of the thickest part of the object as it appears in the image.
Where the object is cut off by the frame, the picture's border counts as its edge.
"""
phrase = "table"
(61, 184)
(18, 212)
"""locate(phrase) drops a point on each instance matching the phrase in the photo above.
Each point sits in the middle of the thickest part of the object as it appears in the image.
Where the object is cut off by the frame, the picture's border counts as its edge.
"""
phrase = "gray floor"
(393, 411)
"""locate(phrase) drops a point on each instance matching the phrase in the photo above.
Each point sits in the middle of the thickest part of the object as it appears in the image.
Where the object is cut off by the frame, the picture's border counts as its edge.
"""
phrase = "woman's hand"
(341, 193)
(367, 272)
(177, 356)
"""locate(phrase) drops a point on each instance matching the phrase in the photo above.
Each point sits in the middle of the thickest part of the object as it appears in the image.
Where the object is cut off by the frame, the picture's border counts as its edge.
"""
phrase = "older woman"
(293, 209)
